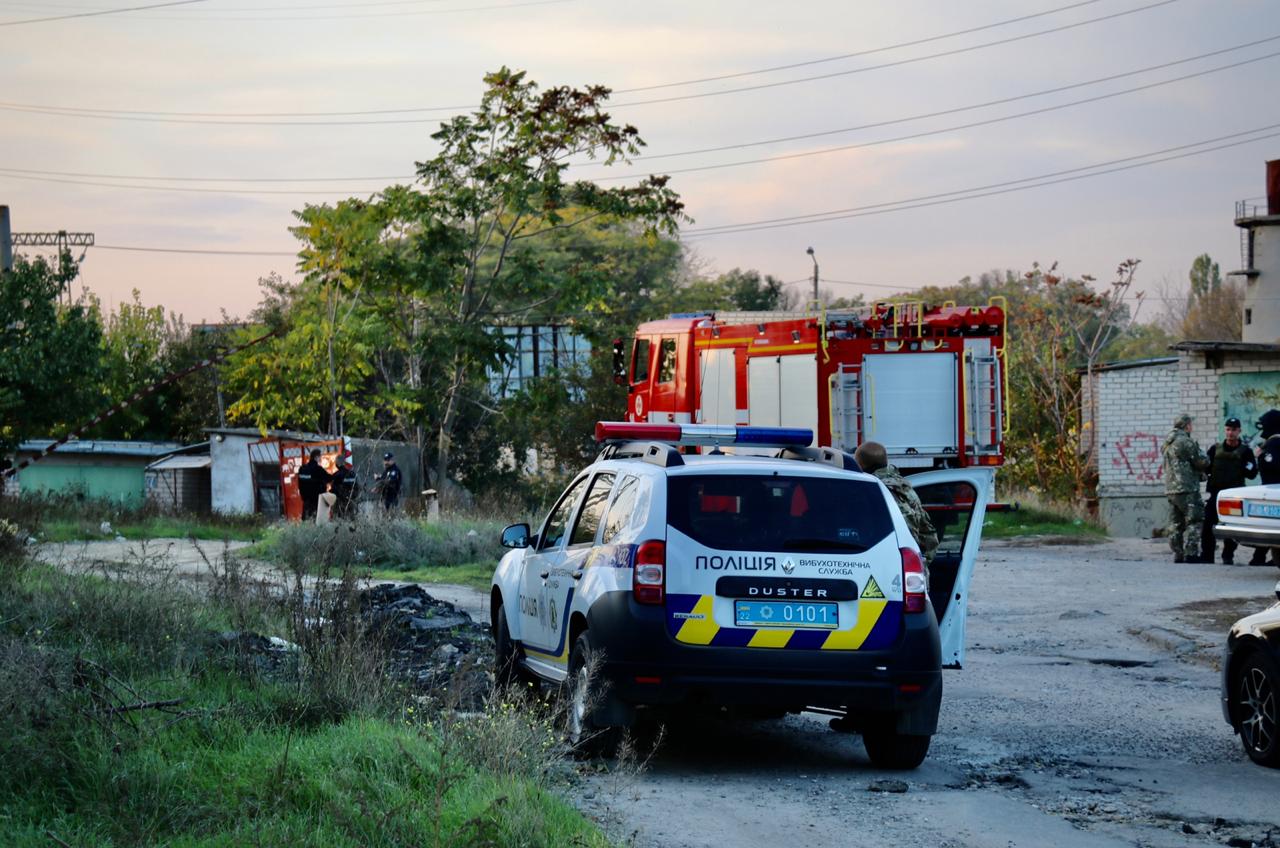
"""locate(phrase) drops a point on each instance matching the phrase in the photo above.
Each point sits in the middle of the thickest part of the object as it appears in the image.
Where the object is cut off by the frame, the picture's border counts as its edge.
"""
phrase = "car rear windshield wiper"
(820, 544)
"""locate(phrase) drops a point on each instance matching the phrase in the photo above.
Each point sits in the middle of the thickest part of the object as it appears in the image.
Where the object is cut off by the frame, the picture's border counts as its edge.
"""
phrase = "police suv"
(774, 583)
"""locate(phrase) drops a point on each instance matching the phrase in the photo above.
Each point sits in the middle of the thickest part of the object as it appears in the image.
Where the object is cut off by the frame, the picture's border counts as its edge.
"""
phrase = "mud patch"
(1216, 615)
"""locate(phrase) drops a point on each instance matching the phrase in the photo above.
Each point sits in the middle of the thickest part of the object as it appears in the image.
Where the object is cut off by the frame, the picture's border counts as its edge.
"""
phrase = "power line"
(745, 144)
(201, 251)
(730, 229)
(159, 116)
(913, 43)
(920, 202)
(998, 102)
(942, 130)
(64, 176)
(1050, 175)
(361, 15)
(97, 13)
(900, 62)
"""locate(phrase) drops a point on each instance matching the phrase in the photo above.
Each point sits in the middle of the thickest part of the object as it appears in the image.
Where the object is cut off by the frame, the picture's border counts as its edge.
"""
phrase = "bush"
(396, 542)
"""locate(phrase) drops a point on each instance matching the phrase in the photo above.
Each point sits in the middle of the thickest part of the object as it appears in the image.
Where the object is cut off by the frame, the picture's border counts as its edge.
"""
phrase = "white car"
(1250, 515)
(769, 583)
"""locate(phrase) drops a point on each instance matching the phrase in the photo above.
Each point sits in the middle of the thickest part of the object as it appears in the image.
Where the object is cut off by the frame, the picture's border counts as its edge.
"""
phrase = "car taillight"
(1230, 506)
(649, 577)
(914, 590)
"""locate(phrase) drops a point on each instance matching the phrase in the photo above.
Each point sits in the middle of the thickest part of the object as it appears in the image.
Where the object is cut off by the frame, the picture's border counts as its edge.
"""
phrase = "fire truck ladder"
(984, 407)
(846, 418)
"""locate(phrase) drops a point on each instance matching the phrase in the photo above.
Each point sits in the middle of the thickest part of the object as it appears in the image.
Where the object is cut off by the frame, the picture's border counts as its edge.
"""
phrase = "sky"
(202, 126)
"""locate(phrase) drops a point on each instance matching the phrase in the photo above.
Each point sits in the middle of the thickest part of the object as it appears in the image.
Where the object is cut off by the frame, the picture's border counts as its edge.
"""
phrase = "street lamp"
(815, 274)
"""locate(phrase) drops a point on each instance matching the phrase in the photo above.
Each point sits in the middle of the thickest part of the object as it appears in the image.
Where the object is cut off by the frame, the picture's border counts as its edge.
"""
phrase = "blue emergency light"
(703, 434)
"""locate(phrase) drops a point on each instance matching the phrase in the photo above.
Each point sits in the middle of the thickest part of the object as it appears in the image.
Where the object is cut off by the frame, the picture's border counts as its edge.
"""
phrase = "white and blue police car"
(774, 583)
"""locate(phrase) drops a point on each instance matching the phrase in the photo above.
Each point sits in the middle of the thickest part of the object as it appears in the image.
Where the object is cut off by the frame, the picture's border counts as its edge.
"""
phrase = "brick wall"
(1136, 408)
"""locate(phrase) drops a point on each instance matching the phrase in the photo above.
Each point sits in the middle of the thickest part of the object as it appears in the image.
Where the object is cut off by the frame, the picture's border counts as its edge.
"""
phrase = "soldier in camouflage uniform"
(1184, 463)
(873, 459)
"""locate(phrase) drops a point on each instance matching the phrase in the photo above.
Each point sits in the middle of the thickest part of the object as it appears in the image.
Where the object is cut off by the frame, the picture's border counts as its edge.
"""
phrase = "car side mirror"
(515, 536)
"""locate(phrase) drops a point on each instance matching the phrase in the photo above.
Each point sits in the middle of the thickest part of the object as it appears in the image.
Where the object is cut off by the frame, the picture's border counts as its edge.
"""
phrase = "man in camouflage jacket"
(873, 459)
(1184, 464)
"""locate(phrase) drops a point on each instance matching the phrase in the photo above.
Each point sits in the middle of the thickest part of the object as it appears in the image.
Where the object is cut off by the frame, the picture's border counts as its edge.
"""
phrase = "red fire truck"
(927, 382)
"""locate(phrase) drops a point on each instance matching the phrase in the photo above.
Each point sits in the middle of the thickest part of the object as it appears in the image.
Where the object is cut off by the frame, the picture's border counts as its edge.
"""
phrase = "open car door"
(956, 500)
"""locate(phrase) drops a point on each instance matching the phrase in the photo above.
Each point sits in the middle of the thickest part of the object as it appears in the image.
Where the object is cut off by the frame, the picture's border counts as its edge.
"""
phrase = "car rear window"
(757, 513)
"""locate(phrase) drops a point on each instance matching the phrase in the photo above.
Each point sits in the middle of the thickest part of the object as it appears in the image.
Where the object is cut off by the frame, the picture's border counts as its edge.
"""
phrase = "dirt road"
(1087, 714)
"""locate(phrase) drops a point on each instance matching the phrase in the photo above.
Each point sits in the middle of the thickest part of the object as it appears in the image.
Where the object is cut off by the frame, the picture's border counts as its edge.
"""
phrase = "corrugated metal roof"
(179, 461)
(99, 446)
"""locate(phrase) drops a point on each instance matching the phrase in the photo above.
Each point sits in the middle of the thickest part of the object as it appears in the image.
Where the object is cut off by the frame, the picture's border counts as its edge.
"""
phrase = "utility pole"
(62, 240)
(816, 298)
(6, 241)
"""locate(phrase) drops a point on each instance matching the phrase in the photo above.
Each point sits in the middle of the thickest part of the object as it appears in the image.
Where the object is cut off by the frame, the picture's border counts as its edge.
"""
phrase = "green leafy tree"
(450, 245)
(1204, 277)
(49, 353)
(310, 376)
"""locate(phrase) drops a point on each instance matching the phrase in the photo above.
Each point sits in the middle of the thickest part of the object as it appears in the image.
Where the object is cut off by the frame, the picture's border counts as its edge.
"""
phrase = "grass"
(153, 527)
(1038, 521)
(330, 752)
(476, 575)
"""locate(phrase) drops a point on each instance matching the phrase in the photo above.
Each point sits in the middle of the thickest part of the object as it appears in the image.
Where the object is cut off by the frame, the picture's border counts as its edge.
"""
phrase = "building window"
(535, 351)
(1248, 316)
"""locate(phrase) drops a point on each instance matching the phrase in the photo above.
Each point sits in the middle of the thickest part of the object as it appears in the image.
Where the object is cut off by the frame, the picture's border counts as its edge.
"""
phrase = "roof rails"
(823, 455)
(660, 454)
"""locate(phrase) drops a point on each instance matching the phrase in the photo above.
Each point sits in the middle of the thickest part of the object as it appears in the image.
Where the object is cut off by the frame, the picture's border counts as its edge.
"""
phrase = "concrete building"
(1136, 404)
(1210, 380)
(1259, 222)
(179, 483)
(92, 468)
(245, 466)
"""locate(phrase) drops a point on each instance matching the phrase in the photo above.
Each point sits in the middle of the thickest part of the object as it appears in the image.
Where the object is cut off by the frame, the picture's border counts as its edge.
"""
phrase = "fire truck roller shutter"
(783, 390)
(909, 404)
(718, 390)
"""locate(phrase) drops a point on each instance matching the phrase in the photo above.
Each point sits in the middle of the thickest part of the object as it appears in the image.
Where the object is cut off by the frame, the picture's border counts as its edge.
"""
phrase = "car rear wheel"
(1255, 690)
(889, 749)
(583, 692)
(508, 673)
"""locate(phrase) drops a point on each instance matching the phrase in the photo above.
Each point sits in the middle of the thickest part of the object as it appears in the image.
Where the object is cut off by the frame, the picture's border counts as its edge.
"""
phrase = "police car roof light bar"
(703, 434)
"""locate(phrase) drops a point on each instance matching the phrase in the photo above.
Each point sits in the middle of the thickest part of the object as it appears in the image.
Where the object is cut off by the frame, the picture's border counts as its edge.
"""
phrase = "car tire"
(583, 692)
(1255, 705)
(508, 672)
(889, 749)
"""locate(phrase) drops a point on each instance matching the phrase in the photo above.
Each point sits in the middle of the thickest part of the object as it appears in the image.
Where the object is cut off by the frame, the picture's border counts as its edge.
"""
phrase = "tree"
(49, 353)
(1211, 310)
(1204, 277)
(134, 341)
(498, 180)
(312, 374)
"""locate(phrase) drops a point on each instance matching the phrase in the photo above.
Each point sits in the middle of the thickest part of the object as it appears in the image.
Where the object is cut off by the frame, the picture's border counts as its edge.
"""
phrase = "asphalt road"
(1087, 714)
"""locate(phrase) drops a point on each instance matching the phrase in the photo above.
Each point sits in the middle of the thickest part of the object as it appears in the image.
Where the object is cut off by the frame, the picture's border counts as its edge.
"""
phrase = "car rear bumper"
(644, 665)
(1248, 534)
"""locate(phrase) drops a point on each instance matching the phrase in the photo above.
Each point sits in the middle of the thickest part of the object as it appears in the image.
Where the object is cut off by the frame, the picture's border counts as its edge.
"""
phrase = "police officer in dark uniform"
(1230, 463)
(313, 480)
(1269, 468)
(391, 480)
(346, 487)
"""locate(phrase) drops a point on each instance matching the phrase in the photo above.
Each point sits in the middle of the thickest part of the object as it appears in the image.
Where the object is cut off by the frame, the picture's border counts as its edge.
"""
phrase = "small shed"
(110, 470)
(180, 482)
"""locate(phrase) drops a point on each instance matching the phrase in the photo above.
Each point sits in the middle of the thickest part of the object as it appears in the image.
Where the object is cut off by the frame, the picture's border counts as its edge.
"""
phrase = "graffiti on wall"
(1246, 396)
(1139, 457)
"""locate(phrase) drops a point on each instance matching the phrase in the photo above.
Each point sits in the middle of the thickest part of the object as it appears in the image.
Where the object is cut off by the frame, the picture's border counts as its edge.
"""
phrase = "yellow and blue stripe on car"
(876, 626)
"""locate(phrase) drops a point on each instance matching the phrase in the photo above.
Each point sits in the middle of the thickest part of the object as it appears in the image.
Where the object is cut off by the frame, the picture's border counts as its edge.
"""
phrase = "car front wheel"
(508, 673)
(1254, 692)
